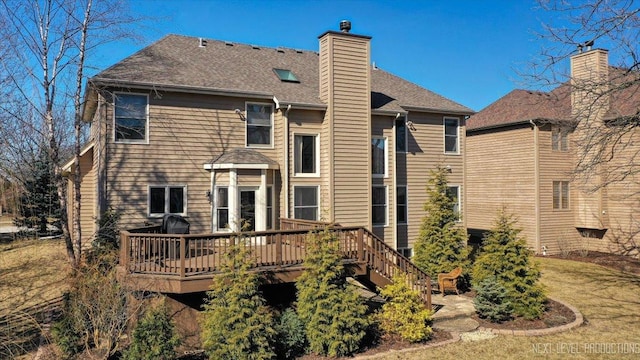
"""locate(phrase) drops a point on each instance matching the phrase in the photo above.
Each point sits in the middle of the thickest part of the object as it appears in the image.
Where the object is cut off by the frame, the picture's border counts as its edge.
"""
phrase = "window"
(451, 135)
(259, 123)
(379, 156)
(131, 117)
(305, 202)
(560, 195)
(306, 159)
(406, 252)
(454, 193)
(167, 200)
(269, 207)
(401, 135)
(559, 138)
(401, 204)
(222, 208)
(286, 75)
(379, 205)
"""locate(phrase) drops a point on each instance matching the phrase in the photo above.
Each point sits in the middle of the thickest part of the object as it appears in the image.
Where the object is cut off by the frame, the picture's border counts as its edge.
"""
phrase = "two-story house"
(524, 150)
(225, 133)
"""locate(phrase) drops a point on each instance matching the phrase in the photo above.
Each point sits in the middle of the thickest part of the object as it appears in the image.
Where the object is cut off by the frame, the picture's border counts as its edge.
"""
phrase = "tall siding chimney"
(589, 105)
(345, 86)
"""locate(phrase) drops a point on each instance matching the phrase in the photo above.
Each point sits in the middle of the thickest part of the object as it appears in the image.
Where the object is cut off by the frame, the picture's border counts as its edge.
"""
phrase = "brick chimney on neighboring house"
(345, 86)
(589, 105)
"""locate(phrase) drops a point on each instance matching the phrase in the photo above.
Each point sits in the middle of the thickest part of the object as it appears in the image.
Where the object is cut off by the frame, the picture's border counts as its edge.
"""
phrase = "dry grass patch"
(608, 299)
(31, 272)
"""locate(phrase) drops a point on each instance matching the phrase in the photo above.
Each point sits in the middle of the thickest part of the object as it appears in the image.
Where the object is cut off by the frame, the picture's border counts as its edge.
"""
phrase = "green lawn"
(608, 299)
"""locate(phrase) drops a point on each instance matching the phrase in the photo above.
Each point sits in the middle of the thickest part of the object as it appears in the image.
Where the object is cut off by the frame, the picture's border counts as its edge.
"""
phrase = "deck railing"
(189, 254)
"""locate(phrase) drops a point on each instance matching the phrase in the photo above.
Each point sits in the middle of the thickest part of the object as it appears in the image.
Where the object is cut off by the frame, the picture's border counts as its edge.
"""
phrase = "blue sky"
(469, 51)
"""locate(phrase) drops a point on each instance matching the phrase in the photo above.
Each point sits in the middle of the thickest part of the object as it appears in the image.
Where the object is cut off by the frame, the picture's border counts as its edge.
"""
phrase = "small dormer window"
(286, 75)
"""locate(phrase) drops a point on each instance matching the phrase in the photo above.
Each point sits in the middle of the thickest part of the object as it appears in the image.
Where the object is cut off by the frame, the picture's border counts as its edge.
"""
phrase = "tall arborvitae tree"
(505, 256)
(39, 201)
(236, 323)
(442, 243)
(333, 313)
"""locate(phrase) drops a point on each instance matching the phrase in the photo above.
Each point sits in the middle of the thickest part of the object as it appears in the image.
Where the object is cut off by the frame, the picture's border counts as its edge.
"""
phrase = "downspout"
(285, 184)
(536, 186)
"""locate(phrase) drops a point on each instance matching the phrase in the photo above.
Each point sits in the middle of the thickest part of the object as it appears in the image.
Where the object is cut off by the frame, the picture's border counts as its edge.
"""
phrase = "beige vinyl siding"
(501, 173)
(185, 132)
(382, 126)
(425, 151)
(87, 196)
(345, 86)
(557, 226)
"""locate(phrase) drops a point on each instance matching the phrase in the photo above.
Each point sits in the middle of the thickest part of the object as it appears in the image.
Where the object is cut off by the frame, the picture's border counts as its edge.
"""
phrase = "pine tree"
(39, 202)
(505, 256)
(154, 337)
(237, 325)
(404, 313)
(331, 310)
(442, 244)
(492, 301)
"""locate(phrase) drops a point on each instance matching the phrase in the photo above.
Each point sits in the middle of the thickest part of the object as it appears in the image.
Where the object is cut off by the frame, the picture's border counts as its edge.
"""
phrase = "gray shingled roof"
(244, 156)
(178, 61)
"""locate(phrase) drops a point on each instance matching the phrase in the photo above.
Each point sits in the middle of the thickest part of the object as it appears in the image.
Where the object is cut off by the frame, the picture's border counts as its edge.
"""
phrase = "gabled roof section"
(180, 63)
(520, 106)
(625, 94)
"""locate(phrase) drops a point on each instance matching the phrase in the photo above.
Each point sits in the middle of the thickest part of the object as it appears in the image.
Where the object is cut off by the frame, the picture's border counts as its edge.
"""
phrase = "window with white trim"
(560, 195)
(406, 252)
(167, 199)
(269, 207)
(131, 115)
(451, 138)
(379, 167)
(559, 138)
(306, 156)
(306, 201)
(222, 207)
(259, 124)
(401, 204)
(401, 135)
(379, 205)
(454, 193)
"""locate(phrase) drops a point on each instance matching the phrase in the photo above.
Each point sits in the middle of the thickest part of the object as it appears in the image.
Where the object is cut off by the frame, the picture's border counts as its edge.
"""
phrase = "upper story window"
(379, 156)
(560, 195)
(306, 156)
(259, 120)
(286, 75)
(454, 193)
(451, 137)
(559, 137)
(401, 135)
(167, 199)
(131, 117)
(306, 202)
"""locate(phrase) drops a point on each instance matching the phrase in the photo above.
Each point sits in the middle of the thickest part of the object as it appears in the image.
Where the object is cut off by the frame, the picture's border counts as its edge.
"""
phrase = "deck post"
(279, 249)
(429, 293)
(124, 250)
(360, 244)
(183, 250)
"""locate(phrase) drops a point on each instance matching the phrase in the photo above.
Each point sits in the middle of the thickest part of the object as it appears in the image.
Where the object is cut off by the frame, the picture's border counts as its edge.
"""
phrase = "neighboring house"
(222, 133)
(522, 151)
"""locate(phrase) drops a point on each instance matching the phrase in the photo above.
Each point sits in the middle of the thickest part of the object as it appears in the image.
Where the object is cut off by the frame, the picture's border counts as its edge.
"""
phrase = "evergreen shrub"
(492, 301)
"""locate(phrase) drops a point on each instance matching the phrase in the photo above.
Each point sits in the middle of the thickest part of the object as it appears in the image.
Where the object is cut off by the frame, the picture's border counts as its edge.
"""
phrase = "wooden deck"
(172, 263)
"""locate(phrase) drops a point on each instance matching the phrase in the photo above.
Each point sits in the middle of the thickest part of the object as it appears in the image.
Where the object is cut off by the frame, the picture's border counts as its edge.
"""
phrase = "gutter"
(436, 110)
(285, 184)
(536, 161)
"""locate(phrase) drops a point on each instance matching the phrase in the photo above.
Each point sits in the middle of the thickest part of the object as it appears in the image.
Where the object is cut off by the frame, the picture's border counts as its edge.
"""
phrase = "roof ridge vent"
(299, 51)
(280, 49)
(255, 47)
(202, 42)
(228, 43)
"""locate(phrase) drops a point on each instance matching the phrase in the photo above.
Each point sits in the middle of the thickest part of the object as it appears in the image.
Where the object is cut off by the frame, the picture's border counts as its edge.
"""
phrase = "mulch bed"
(387, 343)
(556, 314)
